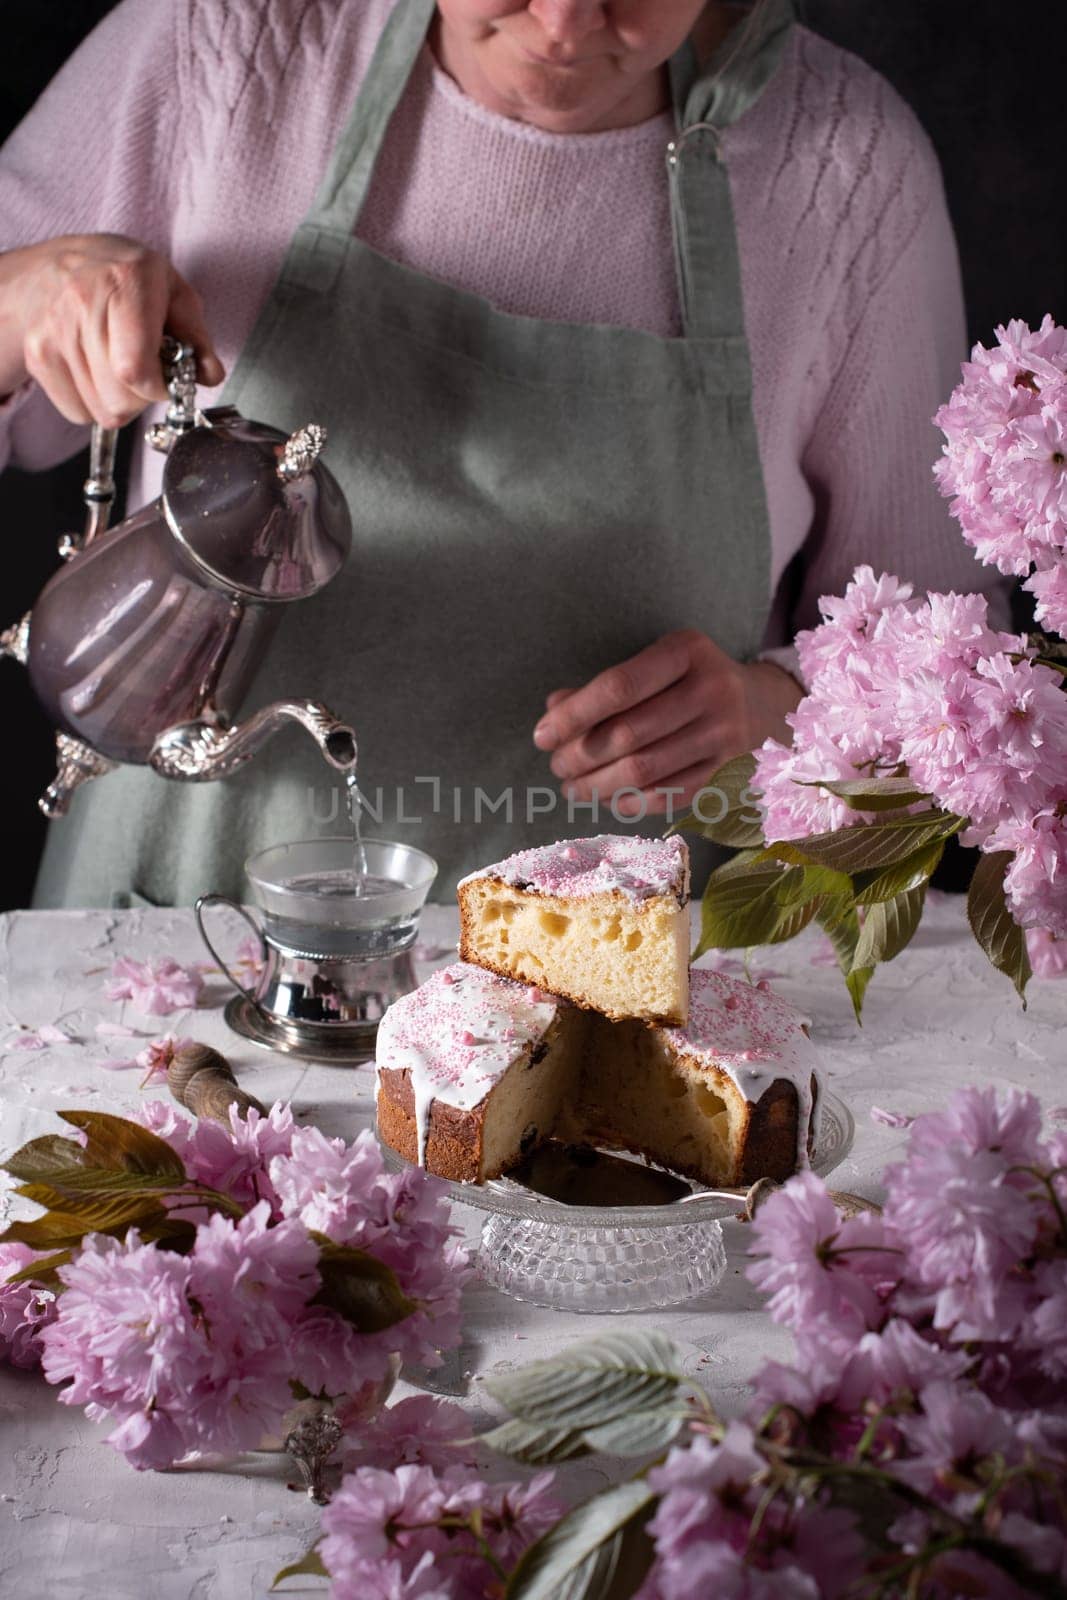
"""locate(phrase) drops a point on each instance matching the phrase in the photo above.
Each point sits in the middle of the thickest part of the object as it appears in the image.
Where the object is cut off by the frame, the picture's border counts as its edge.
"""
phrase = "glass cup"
(335, 945)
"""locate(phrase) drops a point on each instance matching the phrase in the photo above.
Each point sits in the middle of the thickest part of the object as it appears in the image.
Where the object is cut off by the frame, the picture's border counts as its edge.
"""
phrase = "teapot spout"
(205, 749)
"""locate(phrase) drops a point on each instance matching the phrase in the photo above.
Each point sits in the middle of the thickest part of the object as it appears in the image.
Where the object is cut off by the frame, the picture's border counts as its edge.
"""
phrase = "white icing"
(457, 1035)
(754, 1037)
(641, 869)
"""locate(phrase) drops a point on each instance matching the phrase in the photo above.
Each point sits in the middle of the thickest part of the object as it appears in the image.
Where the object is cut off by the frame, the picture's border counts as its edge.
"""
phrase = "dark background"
(984, 77)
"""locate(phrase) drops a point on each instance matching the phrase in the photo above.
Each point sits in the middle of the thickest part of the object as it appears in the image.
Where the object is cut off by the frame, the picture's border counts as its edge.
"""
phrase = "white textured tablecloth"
(77, 1523)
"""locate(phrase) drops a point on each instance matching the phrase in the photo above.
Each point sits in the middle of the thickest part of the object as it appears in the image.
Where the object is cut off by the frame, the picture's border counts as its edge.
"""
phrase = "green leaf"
(887, 927)
(914, 870)
(856, 983)
(126, 1146)
(642, 1433)
(309, 1566)
(749, 903)
(869, 844)
(726, 810)
(598, 1551)
(592, 1383)
(43, 1270)
(993, 925)
(842, 926)
(871, 794)
(46, 1160)
(815, 882)
(118, 1156)
(536, 1443)
(360, 1287)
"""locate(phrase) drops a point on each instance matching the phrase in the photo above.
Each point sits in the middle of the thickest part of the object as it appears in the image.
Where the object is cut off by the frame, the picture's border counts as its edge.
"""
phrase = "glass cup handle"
(224, 900)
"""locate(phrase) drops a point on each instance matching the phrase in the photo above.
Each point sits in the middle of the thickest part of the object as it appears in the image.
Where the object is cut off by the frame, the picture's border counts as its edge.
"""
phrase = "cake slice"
(602, 921)
(472, 1071)
(728, 1099)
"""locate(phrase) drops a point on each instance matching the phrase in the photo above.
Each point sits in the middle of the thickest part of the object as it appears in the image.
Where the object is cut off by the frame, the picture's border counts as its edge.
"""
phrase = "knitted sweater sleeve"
(97, 153)
(871, 448)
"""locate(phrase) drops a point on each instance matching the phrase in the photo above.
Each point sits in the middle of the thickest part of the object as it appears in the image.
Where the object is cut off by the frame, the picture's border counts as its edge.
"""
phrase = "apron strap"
(706, 102)
(343, 190)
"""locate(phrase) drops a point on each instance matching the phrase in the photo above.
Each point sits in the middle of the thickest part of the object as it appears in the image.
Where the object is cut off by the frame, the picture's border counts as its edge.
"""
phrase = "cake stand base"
(593, 1269)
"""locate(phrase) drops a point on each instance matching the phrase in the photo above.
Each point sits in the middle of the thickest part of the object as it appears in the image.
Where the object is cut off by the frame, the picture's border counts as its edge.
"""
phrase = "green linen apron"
(532, 502)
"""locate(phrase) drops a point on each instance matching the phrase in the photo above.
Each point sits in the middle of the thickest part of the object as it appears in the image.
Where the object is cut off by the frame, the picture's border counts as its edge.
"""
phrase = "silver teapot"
(144, 644)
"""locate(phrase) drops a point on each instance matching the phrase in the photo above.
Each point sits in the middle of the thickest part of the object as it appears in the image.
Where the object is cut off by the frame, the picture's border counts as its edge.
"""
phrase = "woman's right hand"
(84, 316)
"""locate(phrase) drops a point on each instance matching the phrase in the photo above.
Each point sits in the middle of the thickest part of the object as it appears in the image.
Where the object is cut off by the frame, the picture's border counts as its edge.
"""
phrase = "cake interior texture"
(621, 957)
(638, 1092)
(620, 1084)
(517, 1113)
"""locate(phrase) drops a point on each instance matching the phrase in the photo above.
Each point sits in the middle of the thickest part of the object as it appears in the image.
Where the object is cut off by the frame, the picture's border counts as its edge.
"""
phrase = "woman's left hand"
(662, 722)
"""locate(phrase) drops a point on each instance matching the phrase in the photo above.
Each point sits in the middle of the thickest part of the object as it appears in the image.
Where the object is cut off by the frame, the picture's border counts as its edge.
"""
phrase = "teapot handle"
(224, 900)
(98, 490)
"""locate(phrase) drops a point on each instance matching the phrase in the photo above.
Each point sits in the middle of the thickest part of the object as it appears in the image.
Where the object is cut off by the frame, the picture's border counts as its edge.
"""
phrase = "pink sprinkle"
(569, 853)
(731, 1002)
(750, 1055)
(534, 996)
(466, 1037)
(447, 977)
(763, 986)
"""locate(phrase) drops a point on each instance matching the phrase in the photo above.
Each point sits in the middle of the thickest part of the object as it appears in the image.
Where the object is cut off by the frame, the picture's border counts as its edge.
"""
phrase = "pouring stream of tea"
(355, 810)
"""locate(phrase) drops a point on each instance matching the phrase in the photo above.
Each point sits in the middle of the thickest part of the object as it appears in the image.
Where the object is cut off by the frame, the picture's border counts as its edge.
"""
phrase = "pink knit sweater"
(203, 129)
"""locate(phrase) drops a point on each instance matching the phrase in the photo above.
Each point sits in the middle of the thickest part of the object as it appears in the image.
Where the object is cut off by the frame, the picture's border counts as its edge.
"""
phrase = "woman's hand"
(662, 722)
(85, 315)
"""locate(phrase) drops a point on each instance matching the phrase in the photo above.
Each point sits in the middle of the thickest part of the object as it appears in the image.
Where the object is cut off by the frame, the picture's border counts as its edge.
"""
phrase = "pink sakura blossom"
(401, 1218)
(234, 1159)
(956, 1428)
(154, 987)
(1035, 884)
(154, 1059)
(792, 808)
(1004, 460)
(848, 621)
(419, 1430)
(826, 1277)
(389, 1580)
(383, 1533)
(1048, 585)
(1047, 952)
(26, 1309)
(891, 1119)
(183, 1352)
(701, 1531)
(127, 1345)
(962, 1208)
(39, 1038)
(1045, 1331)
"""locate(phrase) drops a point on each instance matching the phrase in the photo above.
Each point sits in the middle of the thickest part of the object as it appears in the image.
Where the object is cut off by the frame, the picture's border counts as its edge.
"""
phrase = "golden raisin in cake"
(475, 1072)
(601, 921)
(472, 1070)
(730, 1098)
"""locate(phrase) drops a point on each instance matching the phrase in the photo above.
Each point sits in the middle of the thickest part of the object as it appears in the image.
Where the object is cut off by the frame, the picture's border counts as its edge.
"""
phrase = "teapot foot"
(76, 763)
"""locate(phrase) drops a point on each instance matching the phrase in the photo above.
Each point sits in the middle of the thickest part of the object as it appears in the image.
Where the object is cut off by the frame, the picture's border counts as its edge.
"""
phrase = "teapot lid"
(255, 507)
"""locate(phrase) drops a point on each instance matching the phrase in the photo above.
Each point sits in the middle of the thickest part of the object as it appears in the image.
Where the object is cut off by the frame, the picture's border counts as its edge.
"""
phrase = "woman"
(582, 460)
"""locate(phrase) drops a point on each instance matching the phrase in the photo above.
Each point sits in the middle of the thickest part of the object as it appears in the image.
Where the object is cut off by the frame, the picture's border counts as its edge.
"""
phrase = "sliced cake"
(730, 1098)
(602, 921)
(472, 1071)
(476, 1071)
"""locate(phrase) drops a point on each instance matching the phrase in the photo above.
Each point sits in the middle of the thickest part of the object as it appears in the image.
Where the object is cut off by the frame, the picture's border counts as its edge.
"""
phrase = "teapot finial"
(302, 450)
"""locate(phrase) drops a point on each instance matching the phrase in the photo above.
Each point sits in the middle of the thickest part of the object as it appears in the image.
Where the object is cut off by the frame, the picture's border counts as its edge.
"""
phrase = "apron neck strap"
(344, 189)
(707, 100)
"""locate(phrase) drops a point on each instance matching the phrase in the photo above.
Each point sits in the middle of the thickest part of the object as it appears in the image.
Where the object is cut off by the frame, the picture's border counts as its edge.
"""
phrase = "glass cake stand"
(609, 1258)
